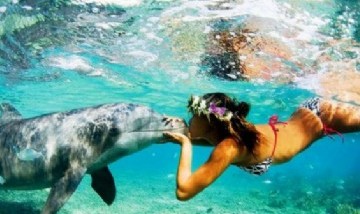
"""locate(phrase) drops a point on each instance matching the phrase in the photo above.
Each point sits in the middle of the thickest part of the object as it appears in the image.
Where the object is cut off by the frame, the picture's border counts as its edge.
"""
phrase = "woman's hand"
(177, 137)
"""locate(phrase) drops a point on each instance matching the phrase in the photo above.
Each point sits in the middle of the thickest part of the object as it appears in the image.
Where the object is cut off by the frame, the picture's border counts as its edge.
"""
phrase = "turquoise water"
(60, 55)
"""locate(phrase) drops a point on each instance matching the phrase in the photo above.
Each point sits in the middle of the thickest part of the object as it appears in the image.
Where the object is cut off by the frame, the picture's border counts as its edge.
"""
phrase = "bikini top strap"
(273, 120)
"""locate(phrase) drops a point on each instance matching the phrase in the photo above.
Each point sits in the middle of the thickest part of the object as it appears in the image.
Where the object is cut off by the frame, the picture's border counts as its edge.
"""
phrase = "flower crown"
(199, 106)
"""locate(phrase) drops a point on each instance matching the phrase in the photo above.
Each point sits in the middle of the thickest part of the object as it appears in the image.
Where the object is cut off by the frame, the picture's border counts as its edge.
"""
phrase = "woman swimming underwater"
(220, 121)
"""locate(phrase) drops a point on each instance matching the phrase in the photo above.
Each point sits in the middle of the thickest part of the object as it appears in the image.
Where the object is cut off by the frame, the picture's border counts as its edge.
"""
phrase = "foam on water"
(123, 3)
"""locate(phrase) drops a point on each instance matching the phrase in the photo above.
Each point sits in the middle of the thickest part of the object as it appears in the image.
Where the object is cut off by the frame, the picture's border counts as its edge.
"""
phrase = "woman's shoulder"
(232, 148)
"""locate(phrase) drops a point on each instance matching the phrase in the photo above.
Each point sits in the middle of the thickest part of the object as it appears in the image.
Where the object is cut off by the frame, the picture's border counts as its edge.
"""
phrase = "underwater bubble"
(2, 180)
(309, 193)
(339, 187)
(170, 175)
(28, 155)
(267, 181)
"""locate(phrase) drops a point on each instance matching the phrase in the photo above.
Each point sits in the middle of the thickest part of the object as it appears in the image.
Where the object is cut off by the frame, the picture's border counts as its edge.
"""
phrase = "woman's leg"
(339, 116)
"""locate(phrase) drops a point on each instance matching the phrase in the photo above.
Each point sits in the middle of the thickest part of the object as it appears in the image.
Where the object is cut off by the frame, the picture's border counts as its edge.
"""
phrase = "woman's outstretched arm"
(189, 184)
(339, 116)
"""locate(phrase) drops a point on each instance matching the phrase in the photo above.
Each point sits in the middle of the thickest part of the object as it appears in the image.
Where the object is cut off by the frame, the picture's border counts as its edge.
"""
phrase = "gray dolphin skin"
(56, 150)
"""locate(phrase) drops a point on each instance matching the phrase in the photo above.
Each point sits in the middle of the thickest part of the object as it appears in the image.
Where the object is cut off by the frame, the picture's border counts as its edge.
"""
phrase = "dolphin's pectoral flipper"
(63, 189)
(103, 183)
(8, 113)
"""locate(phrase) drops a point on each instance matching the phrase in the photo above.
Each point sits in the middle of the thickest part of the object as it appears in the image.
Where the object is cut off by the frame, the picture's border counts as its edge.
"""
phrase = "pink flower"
(216, 110)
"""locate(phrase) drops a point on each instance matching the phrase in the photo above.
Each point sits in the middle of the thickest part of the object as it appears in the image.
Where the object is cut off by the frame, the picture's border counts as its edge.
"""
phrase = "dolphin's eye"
(114, 131)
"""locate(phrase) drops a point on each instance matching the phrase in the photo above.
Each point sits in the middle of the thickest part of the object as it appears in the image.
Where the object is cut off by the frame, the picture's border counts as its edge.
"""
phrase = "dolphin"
(56, 150)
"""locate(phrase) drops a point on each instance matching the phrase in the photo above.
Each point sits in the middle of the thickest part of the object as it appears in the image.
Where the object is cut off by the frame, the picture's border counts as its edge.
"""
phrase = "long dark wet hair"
(227, 115)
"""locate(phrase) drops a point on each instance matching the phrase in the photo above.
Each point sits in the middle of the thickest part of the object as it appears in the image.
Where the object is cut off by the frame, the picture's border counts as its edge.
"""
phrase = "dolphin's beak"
(174, 123)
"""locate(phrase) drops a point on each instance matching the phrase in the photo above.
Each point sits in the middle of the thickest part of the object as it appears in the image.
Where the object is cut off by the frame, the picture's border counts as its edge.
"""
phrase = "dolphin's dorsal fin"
(8, 113)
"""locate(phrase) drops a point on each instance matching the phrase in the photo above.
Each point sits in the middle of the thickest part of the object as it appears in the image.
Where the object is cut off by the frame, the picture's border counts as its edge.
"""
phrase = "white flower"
(227, 117)
(202, 105)
(195, 102)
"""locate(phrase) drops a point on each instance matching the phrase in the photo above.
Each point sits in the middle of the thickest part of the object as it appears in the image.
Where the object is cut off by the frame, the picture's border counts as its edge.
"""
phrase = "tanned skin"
(301, 130)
